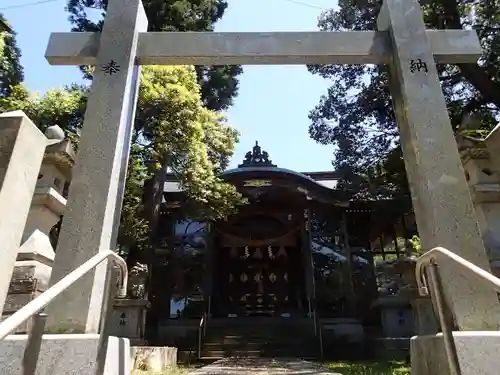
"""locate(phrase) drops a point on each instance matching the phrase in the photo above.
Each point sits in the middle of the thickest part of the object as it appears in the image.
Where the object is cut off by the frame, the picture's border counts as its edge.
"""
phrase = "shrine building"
(296, 259)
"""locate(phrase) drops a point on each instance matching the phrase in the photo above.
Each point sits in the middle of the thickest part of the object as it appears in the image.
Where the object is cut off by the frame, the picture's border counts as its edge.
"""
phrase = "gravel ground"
(263, 366)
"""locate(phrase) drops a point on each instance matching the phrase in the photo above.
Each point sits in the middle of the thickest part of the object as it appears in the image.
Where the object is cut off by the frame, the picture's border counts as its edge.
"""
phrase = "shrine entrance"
(261, 257)
(260, 279)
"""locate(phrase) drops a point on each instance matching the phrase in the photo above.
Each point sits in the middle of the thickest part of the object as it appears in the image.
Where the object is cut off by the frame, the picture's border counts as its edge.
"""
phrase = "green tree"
(356, 114)
(219, 84)
(173, 130)
(11, 71)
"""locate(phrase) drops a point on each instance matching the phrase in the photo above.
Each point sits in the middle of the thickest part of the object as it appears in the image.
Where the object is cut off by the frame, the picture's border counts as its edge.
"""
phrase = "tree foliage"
(11, 71)
(172, 129)
(219, 84)
(356, 114)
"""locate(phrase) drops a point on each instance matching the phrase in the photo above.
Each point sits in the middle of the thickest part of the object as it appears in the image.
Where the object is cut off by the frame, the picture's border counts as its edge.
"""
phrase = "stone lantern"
(484, 182)
(405, 312)
(48, 202)
(35, 257)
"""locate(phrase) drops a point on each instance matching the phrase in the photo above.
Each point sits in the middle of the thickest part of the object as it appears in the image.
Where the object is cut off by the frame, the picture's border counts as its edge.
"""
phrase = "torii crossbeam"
(253, 48)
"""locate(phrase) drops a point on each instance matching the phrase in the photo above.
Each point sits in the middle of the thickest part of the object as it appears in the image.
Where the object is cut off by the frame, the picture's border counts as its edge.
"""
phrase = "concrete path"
(263, 366)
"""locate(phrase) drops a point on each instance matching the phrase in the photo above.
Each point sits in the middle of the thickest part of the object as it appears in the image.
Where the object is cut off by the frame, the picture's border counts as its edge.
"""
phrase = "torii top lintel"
(256, 48)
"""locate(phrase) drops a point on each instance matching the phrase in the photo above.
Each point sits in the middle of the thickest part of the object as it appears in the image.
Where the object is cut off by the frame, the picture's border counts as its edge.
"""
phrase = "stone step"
(255, 345)
(275, 352)
(257, 336)
(260, 339)
(258, 322)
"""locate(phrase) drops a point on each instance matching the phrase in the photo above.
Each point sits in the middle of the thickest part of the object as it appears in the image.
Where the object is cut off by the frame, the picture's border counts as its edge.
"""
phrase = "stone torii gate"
(443, 207)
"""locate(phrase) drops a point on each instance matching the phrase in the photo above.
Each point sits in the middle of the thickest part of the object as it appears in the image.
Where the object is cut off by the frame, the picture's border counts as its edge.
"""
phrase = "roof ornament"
(256, 158)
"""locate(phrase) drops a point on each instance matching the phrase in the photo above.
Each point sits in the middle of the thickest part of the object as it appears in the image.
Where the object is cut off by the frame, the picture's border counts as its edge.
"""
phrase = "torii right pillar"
(443, 207)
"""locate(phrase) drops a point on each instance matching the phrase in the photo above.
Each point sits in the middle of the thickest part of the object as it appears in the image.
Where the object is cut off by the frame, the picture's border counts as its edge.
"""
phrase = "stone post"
(21, 152)
(35, 257)
(443, 207)
(94, 203)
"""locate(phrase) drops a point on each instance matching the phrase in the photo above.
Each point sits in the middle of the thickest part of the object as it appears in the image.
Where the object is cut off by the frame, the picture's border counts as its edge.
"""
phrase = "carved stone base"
(29, 280)
(129, 318)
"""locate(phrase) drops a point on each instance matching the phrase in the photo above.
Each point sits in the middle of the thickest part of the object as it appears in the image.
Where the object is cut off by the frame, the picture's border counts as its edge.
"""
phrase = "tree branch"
(476, 76)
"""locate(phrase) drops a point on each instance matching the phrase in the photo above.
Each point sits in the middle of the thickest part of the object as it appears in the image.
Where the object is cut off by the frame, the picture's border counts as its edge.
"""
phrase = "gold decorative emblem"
(244, 277)
(272, 277)
(260, 300)
(285, 276)
(257, 183)
(257, 277)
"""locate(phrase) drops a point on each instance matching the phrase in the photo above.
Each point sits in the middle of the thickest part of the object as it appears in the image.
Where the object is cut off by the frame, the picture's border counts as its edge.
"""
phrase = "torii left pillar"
(94, 203)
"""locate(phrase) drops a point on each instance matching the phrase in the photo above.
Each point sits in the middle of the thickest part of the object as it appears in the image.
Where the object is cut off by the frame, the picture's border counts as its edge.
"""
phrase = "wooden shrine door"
(258, 280)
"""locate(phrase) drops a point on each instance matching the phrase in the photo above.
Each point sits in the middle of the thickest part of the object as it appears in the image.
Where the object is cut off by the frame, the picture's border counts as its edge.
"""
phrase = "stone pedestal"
(396, 315)
(477, 353)
(425, 322)
(66, 354)
(31, 275)
(129, 319)
(395, 308)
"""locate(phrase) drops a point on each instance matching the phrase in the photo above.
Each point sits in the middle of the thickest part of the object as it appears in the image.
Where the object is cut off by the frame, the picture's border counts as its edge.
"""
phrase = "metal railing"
(321, 341)
(201, 332)
(202, 328)
(429, 283)
(34, 309)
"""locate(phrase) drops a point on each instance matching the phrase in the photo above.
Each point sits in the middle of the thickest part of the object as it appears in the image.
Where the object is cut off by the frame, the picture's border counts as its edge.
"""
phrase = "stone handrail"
(10, 324)
(435, 253)
(430, 284)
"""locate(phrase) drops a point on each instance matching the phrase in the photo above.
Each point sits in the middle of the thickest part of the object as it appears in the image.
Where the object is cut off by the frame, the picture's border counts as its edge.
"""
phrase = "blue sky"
(273, 101)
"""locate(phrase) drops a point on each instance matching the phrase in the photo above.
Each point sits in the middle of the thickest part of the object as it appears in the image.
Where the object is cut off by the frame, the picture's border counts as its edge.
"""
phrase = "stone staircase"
(260, 337)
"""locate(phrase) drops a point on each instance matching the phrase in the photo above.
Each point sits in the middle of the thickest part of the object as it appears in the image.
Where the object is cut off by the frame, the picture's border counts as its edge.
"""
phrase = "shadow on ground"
(370, 368)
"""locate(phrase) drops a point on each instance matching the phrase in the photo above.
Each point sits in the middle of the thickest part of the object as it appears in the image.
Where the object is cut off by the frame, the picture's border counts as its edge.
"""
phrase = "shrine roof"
(257, 165)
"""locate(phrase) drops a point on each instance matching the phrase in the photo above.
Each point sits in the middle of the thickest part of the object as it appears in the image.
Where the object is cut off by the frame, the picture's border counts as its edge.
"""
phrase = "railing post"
(110, 295)
(34, 344)
(445, 318)
(321, 342)
(205, 325)
(315, 323)
(199, 337)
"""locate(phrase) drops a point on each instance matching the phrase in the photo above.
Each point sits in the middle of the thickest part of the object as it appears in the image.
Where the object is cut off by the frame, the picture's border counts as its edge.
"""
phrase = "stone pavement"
(263, 366)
